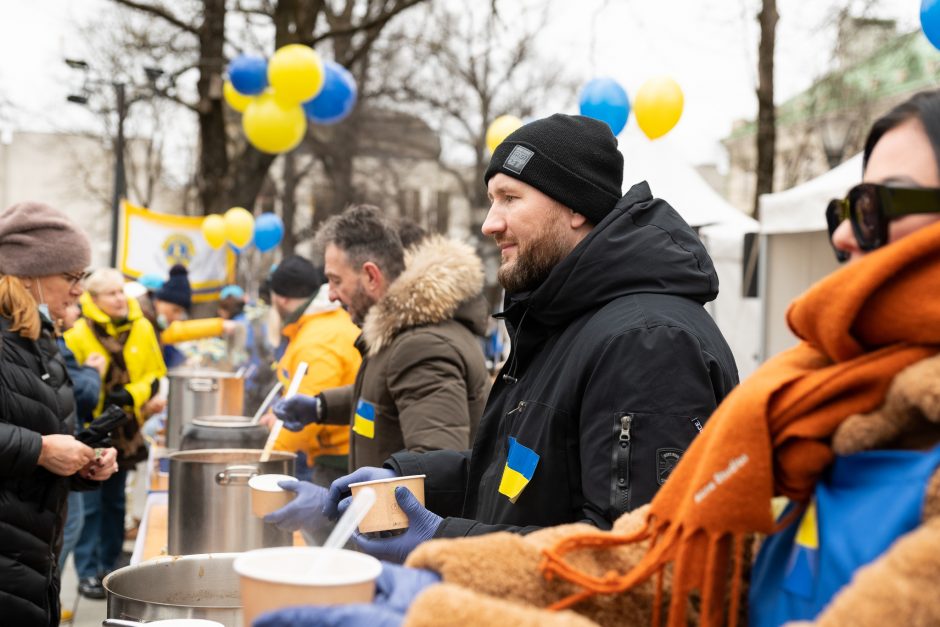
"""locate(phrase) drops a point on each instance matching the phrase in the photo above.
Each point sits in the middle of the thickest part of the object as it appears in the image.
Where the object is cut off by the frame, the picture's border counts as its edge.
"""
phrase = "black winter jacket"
(35, 400)
(615, 367)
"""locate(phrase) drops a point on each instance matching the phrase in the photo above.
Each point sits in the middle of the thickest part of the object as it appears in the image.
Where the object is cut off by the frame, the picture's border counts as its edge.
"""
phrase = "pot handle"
(236, 475)
(117, 622)
(203, 385)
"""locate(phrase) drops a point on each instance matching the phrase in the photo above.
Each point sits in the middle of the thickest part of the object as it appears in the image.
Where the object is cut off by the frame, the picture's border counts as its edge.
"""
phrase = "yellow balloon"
(213, 229)
(234, 98)
(239, 226)
(295, 73)
(658, 106)
(272, 127)
(500, 129)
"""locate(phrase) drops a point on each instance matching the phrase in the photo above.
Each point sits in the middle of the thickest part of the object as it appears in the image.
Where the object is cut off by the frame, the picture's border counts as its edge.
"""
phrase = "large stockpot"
(191, 586)
(223, 432)
(210, 501)
(197, 392)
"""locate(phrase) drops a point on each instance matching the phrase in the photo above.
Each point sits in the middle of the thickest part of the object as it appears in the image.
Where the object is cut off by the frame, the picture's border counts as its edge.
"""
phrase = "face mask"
(43, 307)
(162, 322)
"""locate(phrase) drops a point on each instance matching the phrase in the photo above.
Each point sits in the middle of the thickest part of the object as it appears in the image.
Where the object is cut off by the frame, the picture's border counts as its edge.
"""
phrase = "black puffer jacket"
(35, 400)
(615, 367)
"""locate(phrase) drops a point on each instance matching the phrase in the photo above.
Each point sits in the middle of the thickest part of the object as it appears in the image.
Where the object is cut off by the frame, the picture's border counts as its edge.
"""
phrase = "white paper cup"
(185, 622)
(386, 514)
(271, 579)
(267, 496)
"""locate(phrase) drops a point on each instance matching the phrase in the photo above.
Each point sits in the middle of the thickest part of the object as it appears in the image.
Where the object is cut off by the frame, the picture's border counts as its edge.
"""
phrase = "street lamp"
(835, 131)
(121, 105)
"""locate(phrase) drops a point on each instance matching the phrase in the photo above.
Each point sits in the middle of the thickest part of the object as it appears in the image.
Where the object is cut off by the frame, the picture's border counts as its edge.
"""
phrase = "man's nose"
(494, 222)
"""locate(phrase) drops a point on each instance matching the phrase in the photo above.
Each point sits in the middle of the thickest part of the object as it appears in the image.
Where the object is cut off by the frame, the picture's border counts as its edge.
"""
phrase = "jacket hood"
(93, 312)
(642, 246)
(442, 280)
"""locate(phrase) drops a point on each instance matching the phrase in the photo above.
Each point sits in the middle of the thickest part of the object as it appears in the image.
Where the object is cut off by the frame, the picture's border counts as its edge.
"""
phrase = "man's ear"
(374, 277)
(577, 220)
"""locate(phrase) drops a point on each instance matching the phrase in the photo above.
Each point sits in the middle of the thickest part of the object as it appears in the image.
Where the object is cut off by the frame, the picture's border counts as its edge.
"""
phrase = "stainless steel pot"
(210, 501)
(196, 392)
(223, 432)
(191, 586)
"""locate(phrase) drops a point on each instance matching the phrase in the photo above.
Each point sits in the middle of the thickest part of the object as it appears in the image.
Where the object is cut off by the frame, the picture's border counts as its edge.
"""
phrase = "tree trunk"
(289, 203)
(766, 117)
(213, 157)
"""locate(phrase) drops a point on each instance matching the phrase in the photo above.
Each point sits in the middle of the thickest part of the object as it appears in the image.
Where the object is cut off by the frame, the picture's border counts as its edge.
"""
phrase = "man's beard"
(533, 263)
(359, 305)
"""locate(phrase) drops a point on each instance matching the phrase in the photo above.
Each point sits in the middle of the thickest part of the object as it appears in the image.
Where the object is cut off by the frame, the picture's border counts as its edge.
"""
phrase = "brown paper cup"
(386, 514)
(271, 579)
(267, 496)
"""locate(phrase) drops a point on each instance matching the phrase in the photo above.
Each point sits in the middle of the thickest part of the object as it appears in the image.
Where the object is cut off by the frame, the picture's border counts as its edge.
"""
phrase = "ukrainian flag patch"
(804, 559)
(364, 422)
(520, 467)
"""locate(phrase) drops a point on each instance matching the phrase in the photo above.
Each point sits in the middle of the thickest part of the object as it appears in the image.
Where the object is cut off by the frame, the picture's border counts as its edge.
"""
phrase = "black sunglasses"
(870, 207)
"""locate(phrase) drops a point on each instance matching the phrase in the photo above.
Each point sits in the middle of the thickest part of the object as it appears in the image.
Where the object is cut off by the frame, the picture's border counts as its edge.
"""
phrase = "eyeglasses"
(870, 207)
(73, 278)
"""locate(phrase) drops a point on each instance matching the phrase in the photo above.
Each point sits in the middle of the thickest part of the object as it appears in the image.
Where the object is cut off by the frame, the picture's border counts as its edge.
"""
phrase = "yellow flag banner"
(153, 242)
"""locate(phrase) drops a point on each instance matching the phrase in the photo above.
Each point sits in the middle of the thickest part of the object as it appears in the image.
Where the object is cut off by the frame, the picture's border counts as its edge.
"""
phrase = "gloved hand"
(397, 586)
(298, 411)
(422, 524)
(340, 488)
(359, 615)
(305, 511)
(119, 396)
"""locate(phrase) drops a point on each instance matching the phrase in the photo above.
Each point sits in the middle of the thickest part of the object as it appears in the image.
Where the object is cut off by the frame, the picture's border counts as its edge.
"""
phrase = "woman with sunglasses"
(846, 426)
(42, 260)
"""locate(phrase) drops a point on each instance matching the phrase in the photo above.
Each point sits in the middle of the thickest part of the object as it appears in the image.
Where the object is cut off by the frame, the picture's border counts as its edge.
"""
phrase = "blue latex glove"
(305, 511)
(298, 411)
(422, 524)
(340, 488)
(359, 615)
(397, 586)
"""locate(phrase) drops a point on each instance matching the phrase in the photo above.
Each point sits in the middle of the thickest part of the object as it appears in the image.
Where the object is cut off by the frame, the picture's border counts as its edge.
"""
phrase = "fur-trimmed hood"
(443, 279)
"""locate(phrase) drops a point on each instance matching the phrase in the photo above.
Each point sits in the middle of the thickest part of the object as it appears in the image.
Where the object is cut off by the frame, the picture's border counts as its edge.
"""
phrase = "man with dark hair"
(615, 363)
(423, 380)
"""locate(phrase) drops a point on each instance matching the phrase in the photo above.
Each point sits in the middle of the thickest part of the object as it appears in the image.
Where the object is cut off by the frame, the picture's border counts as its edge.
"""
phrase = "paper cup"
(386, 514)
(185, 622)
(271, 579)
(267, 496)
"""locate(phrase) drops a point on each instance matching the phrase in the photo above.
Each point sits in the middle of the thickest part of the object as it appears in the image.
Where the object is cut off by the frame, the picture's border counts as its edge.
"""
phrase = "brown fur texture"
(495, 579)
(439, 275)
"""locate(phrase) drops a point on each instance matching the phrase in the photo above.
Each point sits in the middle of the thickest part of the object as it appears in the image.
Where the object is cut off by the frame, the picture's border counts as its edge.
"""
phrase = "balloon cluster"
(657, 106)
(238, 228)
(276, 97)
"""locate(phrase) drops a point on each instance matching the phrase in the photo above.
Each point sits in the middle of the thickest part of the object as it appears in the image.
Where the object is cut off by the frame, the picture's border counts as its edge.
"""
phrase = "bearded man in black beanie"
(615, 364)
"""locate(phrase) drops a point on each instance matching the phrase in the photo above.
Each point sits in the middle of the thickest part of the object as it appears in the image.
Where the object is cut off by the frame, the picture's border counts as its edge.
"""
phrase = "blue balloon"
(269, 231)
(249, 74)
(930, 20)
(605, 100)
(336, 99)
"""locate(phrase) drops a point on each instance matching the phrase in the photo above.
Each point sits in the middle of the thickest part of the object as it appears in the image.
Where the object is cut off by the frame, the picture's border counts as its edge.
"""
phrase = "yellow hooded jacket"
(324, 336)
(141, 350)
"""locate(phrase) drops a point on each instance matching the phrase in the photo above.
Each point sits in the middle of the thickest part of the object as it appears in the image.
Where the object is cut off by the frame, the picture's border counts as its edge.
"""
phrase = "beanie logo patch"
(518, 159)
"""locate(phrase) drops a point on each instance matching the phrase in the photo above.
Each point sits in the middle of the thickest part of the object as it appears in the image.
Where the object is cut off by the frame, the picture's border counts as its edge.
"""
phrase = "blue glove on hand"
(339, 489)
(397, 586)
(298, 411)
(305, 511)
(422, 524)
(359, 615)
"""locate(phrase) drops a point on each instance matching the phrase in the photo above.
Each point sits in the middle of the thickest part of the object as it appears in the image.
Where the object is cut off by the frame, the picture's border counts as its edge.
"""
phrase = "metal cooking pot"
(223, 432)
(191, 586)
(210, 501)
(197, 392)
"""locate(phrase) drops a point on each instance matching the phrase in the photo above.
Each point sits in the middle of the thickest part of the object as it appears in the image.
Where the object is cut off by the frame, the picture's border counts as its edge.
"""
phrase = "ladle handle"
(276, 428)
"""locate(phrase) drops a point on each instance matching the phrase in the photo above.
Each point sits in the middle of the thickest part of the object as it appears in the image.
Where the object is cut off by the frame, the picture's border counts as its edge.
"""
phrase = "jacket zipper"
(622, 460)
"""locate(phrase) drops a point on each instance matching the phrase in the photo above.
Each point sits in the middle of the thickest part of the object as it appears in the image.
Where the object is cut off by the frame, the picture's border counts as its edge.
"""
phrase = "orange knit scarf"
(860, 326)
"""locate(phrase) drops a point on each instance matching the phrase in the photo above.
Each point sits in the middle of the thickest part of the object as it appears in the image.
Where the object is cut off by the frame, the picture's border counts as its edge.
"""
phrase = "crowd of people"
(612, 472)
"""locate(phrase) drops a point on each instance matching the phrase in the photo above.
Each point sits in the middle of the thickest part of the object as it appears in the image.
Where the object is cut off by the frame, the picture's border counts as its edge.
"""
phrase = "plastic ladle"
(276, 428)
(342, 532)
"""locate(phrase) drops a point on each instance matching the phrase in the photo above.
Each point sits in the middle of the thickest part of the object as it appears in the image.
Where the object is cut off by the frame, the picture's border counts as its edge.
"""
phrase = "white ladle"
(342, 532)
(278, 423)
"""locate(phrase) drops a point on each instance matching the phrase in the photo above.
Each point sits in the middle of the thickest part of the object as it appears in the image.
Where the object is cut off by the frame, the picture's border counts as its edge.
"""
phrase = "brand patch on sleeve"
(666, 460)
(518, 159)
(519, 470)
(364, 422)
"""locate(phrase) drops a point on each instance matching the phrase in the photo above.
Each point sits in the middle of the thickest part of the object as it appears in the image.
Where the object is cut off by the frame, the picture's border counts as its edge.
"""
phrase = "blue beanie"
(151, 281)
(176, 289)
(233, 291)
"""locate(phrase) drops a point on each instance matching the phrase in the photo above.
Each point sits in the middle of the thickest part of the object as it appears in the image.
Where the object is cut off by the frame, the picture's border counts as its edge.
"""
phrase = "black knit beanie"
(176, 289)
(570, 158)
(295, 277)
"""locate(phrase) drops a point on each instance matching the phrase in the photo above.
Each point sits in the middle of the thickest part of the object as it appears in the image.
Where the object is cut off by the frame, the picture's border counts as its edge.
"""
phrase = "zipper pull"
(518, 407)
(625, 421)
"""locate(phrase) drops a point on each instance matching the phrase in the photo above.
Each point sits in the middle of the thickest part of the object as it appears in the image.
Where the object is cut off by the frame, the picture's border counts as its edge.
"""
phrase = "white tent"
(722, 230)
(795, 249)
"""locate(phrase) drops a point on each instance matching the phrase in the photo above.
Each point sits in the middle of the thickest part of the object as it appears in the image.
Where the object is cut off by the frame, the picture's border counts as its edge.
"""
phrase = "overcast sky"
(708, 46)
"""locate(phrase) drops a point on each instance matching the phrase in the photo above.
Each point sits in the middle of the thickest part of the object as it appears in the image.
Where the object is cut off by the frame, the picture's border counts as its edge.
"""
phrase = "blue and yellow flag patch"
(520, 467)
(803, 565)
(364, 422)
